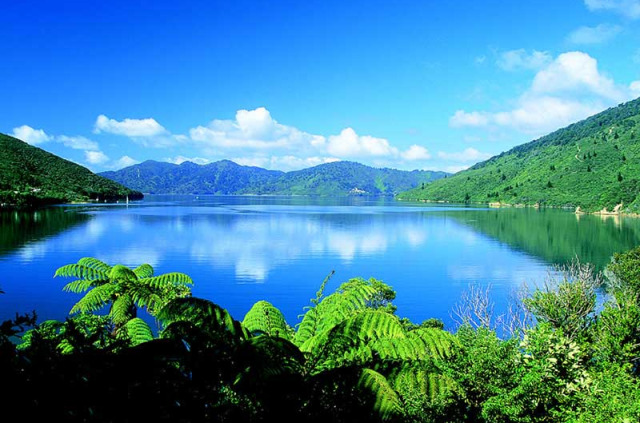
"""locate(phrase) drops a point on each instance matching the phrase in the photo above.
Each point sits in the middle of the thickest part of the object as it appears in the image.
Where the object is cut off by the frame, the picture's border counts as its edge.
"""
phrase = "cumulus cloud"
(181, 159)
(467, 155)
(594, 35)
(416, 152)
(129, 127)
(254, 129)
(95, 157)
(628, 8)
(635, 88)
(349, 144)
(124, 161)
(77, 143)
(519, 59)
(566, 90)
(30, 135)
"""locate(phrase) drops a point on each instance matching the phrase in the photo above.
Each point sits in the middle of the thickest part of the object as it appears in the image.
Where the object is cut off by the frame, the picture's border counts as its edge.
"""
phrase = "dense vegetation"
(350, 358)
(592, 164)
(30, 176)
(226, 178)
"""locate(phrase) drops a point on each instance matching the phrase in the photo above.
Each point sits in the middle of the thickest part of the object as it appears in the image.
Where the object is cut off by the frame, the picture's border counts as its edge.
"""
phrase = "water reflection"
(240, 250)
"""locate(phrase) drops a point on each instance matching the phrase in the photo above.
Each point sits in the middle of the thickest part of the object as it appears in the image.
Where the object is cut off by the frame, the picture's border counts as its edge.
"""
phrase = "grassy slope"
(30, 176)
(592, 164)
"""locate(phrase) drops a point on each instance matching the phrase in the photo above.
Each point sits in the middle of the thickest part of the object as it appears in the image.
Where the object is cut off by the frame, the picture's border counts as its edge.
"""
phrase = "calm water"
(239, 250)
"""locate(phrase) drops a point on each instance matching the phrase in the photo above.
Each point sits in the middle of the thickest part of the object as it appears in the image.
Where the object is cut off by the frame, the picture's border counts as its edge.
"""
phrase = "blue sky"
(290, 84)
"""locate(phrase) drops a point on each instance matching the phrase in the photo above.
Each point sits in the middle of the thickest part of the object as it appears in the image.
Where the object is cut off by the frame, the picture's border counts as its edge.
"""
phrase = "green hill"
(592, 164)
(30, 176)
(226, 177)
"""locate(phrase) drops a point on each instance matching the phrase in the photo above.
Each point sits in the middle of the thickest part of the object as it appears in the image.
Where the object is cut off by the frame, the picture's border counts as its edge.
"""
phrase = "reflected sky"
(239, 250)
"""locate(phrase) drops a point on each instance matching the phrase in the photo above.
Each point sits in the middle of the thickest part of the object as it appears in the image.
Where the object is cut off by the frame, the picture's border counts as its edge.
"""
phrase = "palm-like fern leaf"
(202, 313)
(82, 285)
(80, 271)
(174, 278)
(137, 331)
(143, 271)
(387, 402)
(332, 310)
(122, 273)
(95, 299)
(263, 317)
(121, 309)
(94, 263)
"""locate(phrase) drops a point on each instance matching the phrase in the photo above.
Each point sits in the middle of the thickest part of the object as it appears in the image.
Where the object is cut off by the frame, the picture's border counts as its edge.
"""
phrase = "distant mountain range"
(592, 164)
(30, 176)
(228, 178)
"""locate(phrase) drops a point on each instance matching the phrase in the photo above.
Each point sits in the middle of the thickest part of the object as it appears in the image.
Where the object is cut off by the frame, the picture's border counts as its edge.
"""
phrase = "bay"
(239, 250)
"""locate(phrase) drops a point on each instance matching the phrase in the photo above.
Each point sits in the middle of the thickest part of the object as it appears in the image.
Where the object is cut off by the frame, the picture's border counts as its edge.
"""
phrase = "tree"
(122, 289)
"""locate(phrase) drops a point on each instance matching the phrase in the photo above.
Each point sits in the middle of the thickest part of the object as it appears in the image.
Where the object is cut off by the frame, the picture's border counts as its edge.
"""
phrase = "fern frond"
(120, 272)
(121, 310)
(174, 278)
(81, 285)
(387, 403)
(80, 271)
(95, 299)
(202, 313)
(96, 264)
(137, 331)
(143, 271)
(416, 382)
(265, 318)
(332, 310)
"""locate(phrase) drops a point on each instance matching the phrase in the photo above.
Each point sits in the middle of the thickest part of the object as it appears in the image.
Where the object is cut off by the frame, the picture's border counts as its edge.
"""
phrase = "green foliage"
(625, 268)
(226, 178)
(32, 177)
(567, 302)
(123, 289)
(590, 162)
(263, 317)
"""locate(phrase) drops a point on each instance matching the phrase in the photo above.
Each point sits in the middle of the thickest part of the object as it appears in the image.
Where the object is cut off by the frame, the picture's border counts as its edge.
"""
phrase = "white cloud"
(30, 135)
(124, 161)
(95, 157)
(254, 129)
(467, 155)
(519, 59)
(349, 144)
(181, 159)
(416, 152)
(129, 127)
(594, 35)
(568, 89)
(628, 8)
(635, 88)
(576, 72)
(462, 118)
(78, 143)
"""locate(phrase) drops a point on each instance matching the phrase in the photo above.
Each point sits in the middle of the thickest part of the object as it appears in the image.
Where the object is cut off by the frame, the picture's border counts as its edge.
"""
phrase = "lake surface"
(239, 250)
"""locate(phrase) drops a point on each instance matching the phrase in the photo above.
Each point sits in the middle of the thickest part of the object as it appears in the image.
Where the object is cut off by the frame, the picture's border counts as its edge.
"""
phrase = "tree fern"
(122, 288)
(263, 317)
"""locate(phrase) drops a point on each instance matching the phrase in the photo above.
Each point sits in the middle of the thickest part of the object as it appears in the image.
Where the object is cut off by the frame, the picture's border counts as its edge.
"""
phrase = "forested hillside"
(226, 177)
(30, 176)
(591, 164)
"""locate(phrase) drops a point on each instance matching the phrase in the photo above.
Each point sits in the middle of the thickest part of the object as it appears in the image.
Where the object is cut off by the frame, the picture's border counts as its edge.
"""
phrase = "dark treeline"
(555, 357)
